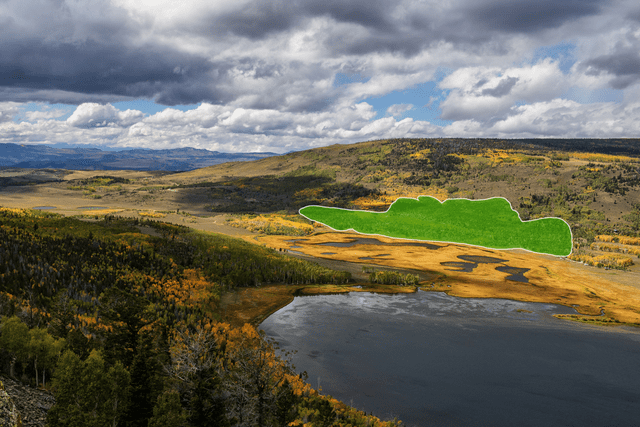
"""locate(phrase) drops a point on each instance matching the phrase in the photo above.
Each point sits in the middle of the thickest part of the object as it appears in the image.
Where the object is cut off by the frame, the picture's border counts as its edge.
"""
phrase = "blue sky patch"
(425, 98)
(149, 107)
(562, 52)
(587, 96)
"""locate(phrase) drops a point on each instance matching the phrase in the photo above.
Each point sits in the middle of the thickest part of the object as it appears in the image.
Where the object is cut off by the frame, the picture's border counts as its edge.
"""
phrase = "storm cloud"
(283, 67)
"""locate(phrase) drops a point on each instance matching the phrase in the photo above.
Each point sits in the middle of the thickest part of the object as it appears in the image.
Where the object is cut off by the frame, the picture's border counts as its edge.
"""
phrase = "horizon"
(266, 76)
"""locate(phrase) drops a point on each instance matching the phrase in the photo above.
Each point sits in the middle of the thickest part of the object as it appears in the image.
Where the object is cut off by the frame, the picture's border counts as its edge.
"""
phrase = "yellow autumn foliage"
(288, 225)
(598, 157)
(624, 249)
(612, 260)
(625, 240)
(150, 214)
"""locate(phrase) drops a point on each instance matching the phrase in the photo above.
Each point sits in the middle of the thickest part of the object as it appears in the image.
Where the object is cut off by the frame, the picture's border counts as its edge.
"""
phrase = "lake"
(432, 359)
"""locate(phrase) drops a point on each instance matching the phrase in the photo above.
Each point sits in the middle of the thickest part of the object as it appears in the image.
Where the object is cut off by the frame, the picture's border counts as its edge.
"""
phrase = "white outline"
(440, 241)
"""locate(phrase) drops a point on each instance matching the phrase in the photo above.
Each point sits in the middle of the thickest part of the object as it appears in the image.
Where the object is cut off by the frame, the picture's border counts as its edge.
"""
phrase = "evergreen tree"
(88, 393)
(67, 411)
(62, 315)
(122, 311)
(168, 411)
(286, 405)
(145, 383)
(78, 343)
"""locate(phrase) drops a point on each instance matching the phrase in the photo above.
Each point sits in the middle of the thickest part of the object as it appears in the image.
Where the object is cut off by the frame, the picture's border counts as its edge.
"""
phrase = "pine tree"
(168, 411)
(145, 383)
(88, 393)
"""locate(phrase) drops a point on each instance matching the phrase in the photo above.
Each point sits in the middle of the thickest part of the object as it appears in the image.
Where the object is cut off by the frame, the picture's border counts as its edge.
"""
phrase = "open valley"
(211, 249)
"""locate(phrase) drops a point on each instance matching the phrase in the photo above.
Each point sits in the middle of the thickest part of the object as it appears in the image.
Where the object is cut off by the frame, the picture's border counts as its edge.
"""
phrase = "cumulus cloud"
(91, 115)
(215, 127)
(398, 109)
(504, 87)
(568, 119)
(230, 129)
(45, 114)
(482, 93)
(8, 110)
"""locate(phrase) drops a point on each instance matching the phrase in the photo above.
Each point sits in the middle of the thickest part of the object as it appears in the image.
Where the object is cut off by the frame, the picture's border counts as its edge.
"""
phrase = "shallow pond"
(43, 207)
(372, 241)
(433, 359)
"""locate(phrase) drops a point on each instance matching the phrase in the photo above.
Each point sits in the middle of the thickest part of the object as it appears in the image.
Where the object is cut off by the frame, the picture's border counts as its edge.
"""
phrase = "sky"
(290, 75)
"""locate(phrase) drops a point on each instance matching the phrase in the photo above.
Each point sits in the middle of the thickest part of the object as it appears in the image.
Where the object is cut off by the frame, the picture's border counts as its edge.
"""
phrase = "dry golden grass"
(551, 279)
(253, 305)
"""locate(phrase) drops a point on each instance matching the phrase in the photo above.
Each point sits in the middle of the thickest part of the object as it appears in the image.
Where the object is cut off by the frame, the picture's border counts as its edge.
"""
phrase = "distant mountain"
(177, 159)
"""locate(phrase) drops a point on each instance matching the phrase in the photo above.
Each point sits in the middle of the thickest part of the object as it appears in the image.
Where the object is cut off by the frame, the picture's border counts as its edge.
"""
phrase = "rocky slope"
(32, 404)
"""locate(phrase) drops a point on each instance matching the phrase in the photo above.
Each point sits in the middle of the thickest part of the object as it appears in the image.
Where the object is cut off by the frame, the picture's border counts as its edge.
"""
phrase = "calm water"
(432, 359)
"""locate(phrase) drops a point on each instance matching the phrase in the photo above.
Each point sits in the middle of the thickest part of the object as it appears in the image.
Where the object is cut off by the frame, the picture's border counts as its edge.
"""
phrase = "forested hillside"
(123, 327)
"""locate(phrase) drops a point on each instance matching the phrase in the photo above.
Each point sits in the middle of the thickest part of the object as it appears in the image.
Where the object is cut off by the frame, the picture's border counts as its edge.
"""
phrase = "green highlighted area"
(491, 223)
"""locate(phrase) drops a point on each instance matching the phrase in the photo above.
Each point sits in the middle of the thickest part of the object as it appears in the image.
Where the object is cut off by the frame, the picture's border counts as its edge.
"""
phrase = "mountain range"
(177, 159)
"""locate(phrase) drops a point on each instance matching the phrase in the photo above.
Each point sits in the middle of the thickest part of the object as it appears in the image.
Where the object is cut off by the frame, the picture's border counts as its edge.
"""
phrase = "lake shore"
(550, 279)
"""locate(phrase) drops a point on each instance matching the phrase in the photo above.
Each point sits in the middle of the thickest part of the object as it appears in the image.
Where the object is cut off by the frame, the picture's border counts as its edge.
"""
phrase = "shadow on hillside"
(273, 194)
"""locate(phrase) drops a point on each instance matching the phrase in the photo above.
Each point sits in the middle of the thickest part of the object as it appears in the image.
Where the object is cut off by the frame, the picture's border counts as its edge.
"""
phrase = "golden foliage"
(420, 154)
(612, 260)
(626, 240)
(383, 201)
(151, 214)
(15, 212)
(308, 193)
(101, 212)
(624, 249)
(597, 157)
(273, 224)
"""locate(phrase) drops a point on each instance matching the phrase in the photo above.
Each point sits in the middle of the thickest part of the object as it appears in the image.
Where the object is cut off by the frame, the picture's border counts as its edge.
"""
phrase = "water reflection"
(433, 359)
